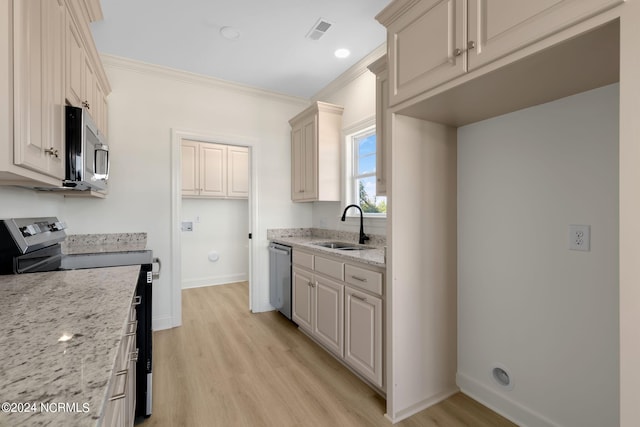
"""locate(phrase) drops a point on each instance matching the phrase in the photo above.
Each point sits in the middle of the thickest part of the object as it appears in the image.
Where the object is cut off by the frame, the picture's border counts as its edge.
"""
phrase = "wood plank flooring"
(228, 367)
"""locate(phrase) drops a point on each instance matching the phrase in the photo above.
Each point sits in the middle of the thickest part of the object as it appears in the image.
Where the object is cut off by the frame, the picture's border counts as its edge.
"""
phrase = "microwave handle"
(105, 148)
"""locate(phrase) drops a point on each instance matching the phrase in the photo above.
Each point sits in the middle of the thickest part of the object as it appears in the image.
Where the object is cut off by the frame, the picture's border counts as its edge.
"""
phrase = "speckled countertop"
(36, 310)
(99, 243)
(304, 238)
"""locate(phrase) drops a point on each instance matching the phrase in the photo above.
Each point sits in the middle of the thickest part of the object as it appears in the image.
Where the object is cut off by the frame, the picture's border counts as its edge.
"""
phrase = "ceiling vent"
(318, 29)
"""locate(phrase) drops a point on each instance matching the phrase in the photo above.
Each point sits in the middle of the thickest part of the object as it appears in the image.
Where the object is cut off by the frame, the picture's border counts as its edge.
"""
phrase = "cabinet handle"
(311, 284)
(137, 300)
(457, 52)
(359, 279)
(471, 45)
(359, 297)
(133, 356)
(86, 105)
(52, 152)
(133, 328)
(124, 389)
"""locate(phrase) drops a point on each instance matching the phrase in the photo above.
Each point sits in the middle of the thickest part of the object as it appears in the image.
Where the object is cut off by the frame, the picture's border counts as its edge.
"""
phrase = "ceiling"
(271, 53)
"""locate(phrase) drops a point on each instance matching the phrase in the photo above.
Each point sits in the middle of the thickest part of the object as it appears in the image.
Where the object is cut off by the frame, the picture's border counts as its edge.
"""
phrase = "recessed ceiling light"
(342, 53)
(229, 33)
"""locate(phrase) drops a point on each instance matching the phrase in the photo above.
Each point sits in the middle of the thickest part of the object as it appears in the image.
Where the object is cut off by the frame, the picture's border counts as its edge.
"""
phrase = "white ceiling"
(272, 52)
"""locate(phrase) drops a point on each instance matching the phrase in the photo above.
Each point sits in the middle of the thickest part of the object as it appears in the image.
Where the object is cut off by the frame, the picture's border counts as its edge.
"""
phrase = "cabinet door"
(213, 170)
(422, 47)
(310, 174)
(363, 334)
(297, 164)
(190, 168)
(499, 27)
(302, 306)
(75, 63)
(53, 86)
(89, 88)
(383, 123)
(238, 172)
(328, 327)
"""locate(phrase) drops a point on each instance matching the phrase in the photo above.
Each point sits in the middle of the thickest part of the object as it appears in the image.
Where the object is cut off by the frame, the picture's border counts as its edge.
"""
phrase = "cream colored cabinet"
(302, 297)
(45, 58)
(83, 87)
(315, 153)
(340, 306)
(428, 42)
(238, 172)
(214, 170)
(119, 410)
(38, 72)
(328, 324)
(383, 122)
(363, 334)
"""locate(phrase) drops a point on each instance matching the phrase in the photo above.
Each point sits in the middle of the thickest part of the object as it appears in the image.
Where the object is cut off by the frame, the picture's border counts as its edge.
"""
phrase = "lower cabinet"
(120, 407)
(363, 334)
(345, 318)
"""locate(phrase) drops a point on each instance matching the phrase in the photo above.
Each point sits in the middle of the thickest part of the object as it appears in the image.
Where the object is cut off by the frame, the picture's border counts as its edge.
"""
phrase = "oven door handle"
(47, 260)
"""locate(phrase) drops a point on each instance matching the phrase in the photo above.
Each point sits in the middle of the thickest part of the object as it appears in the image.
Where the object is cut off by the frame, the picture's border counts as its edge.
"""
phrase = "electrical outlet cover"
(580, 237)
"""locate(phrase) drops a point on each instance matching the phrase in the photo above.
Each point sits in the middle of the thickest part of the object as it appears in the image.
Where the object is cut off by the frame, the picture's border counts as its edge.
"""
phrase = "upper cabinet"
(383, 122)
(433, 41)
(44, 44)
(214, 170)
(315, 153)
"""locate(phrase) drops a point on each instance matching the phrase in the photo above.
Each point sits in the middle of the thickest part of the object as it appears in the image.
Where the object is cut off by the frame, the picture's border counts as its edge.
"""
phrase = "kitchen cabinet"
(214, 170)
(315, 153)
(383, 122)
(363, 334)
(45, 57)
(38, 77)
(428, 42)
(83, 87)
(340, 306)
(120, 405)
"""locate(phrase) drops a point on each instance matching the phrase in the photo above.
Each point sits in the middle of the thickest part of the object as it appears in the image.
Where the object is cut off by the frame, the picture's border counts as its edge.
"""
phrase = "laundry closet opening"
(214, 213)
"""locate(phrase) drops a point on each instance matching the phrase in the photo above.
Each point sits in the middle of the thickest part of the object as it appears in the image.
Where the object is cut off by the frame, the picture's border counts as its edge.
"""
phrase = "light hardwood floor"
(228, 367)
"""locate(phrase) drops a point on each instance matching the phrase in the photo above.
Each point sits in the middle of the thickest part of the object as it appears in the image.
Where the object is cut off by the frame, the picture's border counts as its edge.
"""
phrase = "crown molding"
(395, 10)
(113, 61)
(356, 70)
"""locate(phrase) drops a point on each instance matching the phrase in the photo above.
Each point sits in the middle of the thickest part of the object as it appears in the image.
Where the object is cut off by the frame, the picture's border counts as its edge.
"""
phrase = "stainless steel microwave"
(87, 152)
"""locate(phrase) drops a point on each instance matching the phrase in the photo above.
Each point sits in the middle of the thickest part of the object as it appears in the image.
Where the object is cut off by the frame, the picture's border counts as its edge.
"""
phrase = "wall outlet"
(580, 237)
(187, 225)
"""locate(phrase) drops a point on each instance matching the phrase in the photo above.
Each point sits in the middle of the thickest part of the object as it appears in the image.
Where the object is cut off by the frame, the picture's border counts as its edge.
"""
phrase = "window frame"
(351, 177)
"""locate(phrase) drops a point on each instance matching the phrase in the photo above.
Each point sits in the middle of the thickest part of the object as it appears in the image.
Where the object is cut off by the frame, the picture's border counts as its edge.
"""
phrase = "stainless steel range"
(29, 245)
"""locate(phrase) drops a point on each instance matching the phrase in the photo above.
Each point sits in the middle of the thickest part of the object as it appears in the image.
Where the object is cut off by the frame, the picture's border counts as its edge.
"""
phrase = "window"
(362, 174)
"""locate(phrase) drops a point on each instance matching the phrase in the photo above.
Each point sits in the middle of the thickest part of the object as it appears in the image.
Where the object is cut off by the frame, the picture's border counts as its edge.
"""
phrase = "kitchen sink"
(341, 246)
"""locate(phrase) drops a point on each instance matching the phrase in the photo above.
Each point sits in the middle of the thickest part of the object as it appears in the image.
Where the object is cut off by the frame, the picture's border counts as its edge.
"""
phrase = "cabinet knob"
(471, 44)
(86, 105)
(457, 52)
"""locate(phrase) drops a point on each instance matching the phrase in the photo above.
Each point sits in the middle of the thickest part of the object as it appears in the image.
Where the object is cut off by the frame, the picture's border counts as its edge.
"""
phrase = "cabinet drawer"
(364, 279)
(329, 267)
(303, 259)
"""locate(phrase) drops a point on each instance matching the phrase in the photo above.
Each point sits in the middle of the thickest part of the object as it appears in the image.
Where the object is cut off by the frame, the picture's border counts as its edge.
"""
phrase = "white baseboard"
(420, 406)
(160, 323)
(508, 408)
(214, 280)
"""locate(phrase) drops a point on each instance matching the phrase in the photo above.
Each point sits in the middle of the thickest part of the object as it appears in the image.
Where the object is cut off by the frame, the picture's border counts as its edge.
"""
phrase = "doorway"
(211, 226)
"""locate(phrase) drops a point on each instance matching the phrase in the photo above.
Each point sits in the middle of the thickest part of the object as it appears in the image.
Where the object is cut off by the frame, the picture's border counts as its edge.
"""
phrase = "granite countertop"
(101, 243)
(305, 239)
(37, 309)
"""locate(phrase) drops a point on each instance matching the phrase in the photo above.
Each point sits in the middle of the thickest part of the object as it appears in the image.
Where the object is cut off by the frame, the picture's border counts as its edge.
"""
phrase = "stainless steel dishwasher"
(280, 278)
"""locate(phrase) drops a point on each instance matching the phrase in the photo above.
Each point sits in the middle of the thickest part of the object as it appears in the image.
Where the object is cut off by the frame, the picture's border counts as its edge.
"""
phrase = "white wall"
(19, 202)
(547, 314)
(219, 226)
(358, 97)
(147, 102)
